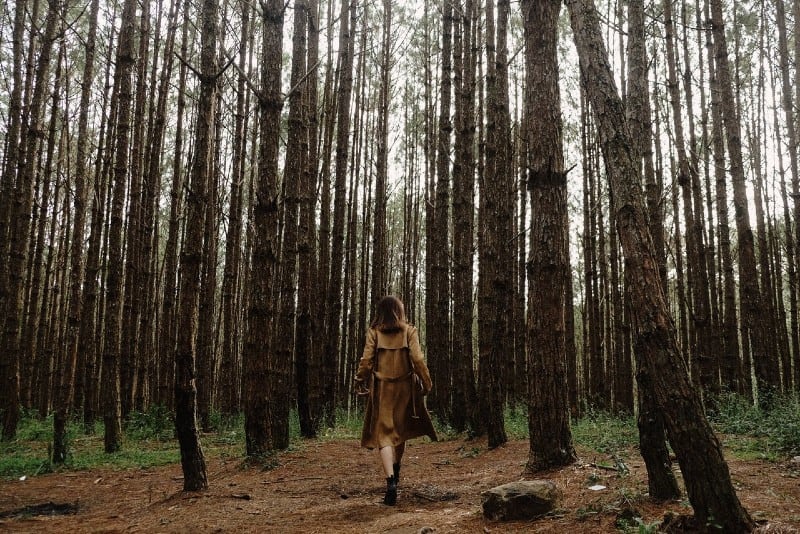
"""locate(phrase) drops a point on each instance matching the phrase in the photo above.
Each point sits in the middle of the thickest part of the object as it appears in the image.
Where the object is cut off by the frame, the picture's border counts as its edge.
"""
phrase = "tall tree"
(257, 402)
(229, 398)
(660, 478)
(750, 297)
(699, 453)
(295, 172)
(122, 97)
(494, 252)
(12, 276)
(437, 318)
(333, 306)
(76, 253)
(548, 267)
(463, 387)
(191, 262)
(380, 249)
(304, 342)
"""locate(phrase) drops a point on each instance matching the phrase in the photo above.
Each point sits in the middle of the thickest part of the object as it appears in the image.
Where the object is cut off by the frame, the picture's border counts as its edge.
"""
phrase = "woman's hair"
(390, 315)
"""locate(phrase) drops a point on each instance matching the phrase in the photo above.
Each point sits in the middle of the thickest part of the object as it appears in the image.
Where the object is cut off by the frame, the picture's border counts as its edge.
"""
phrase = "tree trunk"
(333, 306)
(463, 385)
(115, 278)
(380, 247)
(660, 478)
(12, 276)
(191, 262)
(229, 396)
(699, 453)
(437, 322)
(64, 401)
(168, 334)
(750, 297)
(257, 404)
(548, 266)
(494, 281)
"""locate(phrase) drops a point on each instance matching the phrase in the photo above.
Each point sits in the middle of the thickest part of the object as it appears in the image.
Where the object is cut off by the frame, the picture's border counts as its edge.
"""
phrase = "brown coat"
(389, 418)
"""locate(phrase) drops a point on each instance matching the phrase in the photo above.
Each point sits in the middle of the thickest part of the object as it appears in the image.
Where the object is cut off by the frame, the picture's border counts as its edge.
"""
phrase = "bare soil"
(335, 486)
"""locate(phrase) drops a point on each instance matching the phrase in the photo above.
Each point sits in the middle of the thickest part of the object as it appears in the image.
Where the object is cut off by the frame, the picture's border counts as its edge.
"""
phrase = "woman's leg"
(398, 456)
(387, 459)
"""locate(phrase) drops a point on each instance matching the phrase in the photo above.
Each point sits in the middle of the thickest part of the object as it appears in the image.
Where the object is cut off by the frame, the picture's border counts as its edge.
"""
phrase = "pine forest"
(588, 208)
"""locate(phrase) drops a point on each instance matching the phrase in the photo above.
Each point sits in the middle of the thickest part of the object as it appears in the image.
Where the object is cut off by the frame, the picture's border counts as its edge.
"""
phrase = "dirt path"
(334, 486)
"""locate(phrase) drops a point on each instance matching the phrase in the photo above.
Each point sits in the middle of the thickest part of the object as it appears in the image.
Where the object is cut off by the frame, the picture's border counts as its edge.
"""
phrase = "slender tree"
(191, 262)
(660, 478)
(699, 453)
(494, 252)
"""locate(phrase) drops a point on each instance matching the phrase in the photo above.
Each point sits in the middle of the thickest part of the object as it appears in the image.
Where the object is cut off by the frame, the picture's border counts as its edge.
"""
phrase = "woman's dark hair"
(390, 315)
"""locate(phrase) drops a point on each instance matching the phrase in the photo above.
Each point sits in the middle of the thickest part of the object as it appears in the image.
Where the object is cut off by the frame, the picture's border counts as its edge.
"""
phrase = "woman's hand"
(360, 387)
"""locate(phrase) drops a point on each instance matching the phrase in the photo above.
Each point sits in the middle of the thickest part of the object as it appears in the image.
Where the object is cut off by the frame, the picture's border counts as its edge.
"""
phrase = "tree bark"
(699, 453)
(548, 267)
(191, 261)
(258, 405)
(660, 478)
(12, 276)
(64, 401)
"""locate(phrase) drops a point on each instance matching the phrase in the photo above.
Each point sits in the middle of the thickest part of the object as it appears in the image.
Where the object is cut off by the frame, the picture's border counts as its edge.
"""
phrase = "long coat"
(395, 412)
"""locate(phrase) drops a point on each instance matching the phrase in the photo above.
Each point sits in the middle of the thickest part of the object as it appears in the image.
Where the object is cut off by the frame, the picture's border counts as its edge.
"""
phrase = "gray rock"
(526, 499)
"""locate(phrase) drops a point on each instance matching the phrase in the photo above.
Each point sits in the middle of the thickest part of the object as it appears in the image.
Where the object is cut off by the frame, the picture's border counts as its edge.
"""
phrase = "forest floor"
(326, 486)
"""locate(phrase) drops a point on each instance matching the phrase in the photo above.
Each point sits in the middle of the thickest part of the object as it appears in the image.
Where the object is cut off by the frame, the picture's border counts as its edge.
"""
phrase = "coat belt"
(383, 378)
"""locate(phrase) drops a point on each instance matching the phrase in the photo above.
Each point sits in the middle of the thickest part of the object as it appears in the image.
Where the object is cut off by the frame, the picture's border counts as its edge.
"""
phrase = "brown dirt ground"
(334, 486)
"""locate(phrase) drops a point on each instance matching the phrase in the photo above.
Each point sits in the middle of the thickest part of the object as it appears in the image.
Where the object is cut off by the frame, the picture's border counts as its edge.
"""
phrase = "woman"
(395, 412)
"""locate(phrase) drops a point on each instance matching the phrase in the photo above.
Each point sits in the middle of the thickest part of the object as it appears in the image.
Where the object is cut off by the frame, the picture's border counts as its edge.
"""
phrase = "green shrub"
(782, 425)
(156, 423)
(734, 414)
(606, 432)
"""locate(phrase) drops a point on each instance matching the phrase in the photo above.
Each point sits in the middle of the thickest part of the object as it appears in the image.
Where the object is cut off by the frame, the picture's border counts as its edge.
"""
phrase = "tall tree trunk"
(229, 396)
(8, 176)
(168, 334)
(750, 297)
(548, 267)
(660, 478)
(463, 386)
(699, 453)
(64, 400)
(294, 174)
(333, 306)
(258, 405)
(115, 278)
(437, 321)
(729, 359)
(308, 399)
(12, 276)
(380, 248)
(494, 284)
(191, 263)
(149, 331)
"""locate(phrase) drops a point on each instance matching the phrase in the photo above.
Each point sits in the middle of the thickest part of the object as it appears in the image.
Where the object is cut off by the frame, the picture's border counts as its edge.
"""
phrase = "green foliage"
(605, 432)
(638, 526)
(734, 414)
(517, 423)
(155, 424)
(758, 433)
(348, 425)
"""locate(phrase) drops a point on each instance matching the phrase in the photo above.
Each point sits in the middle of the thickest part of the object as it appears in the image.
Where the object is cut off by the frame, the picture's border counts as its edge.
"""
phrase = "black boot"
(396, 469)
(391, 491)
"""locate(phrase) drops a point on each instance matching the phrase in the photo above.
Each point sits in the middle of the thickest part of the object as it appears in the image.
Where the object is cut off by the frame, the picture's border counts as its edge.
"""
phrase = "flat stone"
(526, 499)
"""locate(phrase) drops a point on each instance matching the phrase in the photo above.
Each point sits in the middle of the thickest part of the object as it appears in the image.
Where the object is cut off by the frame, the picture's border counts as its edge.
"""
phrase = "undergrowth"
(747, 431)
(751, 431)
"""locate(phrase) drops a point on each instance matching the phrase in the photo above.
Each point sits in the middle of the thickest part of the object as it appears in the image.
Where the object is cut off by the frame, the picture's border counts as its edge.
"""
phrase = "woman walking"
(393, 375)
